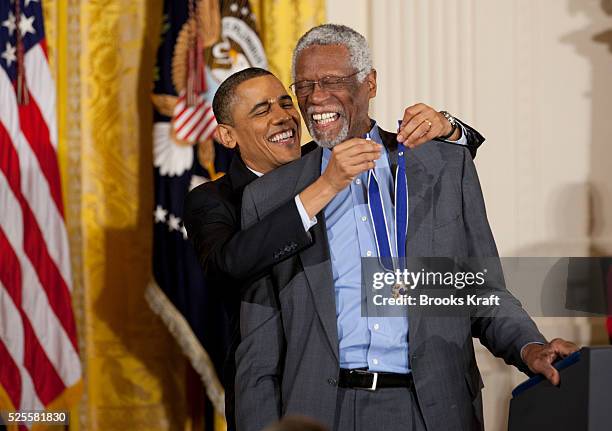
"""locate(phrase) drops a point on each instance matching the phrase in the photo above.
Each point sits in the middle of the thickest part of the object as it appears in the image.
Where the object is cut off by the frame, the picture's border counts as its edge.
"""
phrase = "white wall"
(535, 77)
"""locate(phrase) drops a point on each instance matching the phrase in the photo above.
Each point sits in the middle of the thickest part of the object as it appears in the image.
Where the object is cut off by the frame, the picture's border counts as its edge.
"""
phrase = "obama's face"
(333, 102)
(266, 124)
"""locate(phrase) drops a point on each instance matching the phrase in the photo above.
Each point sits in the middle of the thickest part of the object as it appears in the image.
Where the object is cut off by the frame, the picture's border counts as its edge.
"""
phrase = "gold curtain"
(281, 23)
(102, 54)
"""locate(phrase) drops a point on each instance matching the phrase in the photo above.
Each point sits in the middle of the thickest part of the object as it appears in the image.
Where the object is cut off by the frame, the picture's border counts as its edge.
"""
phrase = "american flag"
(38, 343)
(193, 123)
(193, 120)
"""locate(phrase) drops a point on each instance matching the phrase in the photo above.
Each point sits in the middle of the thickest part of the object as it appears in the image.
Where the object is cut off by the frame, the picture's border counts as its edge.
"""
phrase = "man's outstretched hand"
(540, 357)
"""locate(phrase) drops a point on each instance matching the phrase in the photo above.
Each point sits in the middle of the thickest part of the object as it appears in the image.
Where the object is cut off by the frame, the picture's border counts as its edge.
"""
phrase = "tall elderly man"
(257, 117)
(309, 350)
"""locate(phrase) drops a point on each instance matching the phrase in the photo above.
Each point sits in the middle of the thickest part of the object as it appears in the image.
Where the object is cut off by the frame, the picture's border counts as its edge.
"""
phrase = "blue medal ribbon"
(379, 219)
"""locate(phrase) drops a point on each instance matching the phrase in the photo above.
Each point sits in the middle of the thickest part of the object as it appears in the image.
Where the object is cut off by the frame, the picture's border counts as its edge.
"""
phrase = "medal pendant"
(398, 290)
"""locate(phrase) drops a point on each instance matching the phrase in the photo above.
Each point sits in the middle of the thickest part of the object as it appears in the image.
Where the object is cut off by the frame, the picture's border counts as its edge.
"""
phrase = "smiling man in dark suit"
(309, 350)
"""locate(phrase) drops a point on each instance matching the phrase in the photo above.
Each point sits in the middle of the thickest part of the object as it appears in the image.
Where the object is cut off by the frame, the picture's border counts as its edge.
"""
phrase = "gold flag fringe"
(189, 344)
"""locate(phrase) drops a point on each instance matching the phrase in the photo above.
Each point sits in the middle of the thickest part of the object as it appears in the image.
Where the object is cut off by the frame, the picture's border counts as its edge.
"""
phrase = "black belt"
(363, 379)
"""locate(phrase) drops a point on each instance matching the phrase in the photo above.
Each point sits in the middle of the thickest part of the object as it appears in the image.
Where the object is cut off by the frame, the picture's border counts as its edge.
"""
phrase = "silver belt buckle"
(374, 382)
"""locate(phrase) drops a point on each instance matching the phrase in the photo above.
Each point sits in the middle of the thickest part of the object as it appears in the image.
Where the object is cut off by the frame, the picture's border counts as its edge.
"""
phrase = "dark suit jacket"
(288, 360)
(231, 257)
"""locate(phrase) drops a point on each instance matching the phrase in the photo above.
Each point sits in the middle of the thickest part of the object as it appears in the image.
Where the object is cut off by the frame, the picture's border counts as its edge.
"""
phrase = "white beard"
(328, 143)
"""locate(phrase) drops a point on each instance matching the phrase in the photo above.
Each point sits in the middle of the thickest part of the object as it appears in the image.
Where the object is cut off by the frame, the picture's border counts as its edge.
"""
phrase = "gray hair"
(337, 34)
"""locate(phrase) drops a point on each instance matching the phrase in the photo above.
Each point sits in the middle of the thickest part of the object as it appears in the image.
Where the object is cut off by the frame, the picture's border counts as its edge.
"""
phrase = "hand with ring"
(422, 123)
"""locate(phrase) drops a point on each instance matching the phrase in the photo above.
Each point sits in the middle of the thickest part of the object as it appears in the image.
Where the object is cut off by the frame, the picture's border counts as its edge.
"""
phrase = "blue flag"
(202, 42)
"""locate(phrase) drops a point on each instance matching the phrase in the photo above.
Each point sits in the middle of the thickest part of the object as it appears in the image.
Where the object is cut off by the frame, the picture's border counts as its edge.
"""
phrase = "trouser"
(386, 409)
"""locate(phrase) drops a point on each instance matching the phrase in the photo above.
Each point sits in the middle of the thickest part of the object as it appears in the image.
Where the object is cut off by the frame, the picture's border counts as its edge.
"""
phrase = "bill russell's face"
(338, 111)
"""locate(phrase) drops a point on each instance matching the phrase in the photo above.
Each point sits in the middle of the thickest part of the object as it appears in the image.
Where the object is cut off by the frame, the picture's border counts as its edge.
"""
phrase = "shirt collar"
(375, 134)
(259, 174)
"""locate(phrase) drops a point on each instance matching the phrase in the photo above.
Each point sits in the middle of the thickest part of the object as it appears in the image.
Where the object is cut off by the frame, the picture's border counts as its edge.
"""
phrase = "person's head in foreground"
(296, 423)
(257, 116)
(333, 81)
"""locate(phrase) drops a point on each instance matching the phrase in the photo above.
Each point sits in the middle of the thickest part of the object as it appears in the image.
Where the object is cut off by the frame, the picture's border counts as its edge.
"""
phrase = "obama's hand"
(422, 123)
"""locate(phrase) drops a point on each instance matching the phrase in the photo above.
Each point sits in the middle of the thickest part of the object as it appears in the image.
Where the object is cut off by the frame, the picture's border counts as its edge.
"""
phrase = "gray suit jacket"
(288, 361)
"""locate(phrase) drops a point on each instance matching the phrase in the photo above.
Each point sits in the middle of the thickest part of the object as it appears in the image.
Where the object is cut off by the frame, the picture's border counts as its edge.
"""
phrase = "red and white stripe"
(38, 340)
(195, 123)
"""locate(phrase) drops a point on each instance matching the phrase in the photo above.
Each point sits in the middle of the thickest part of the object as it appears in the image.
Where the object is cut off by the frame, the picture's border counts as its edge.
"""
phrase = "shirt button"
(376, 326)
(364, 218)
(368, 253)
(357, 181)
(375, 361)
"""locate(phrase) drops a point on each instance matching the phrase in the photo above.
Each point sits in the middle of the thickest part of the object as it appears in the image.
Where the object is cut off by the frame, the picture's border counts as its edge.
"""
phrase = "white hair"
(337, 34)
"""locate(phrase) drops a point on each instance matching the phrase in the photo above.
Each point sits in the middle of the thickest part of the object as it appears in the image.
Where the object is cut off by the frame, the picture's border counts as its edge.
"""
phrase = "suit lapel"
(421, 176)
(316, 259)
(420, 193)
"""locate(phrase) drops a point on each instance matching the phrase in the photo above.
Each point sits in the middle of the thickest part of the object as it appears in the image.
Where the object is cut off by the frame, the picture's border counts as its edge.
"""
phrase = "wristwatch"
(453, 123)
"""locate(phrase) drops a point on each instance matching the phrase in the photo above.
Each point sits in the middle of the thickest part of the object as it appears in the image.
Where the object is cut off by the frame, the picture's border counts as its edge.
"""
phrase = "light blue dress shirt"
(378, 343)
